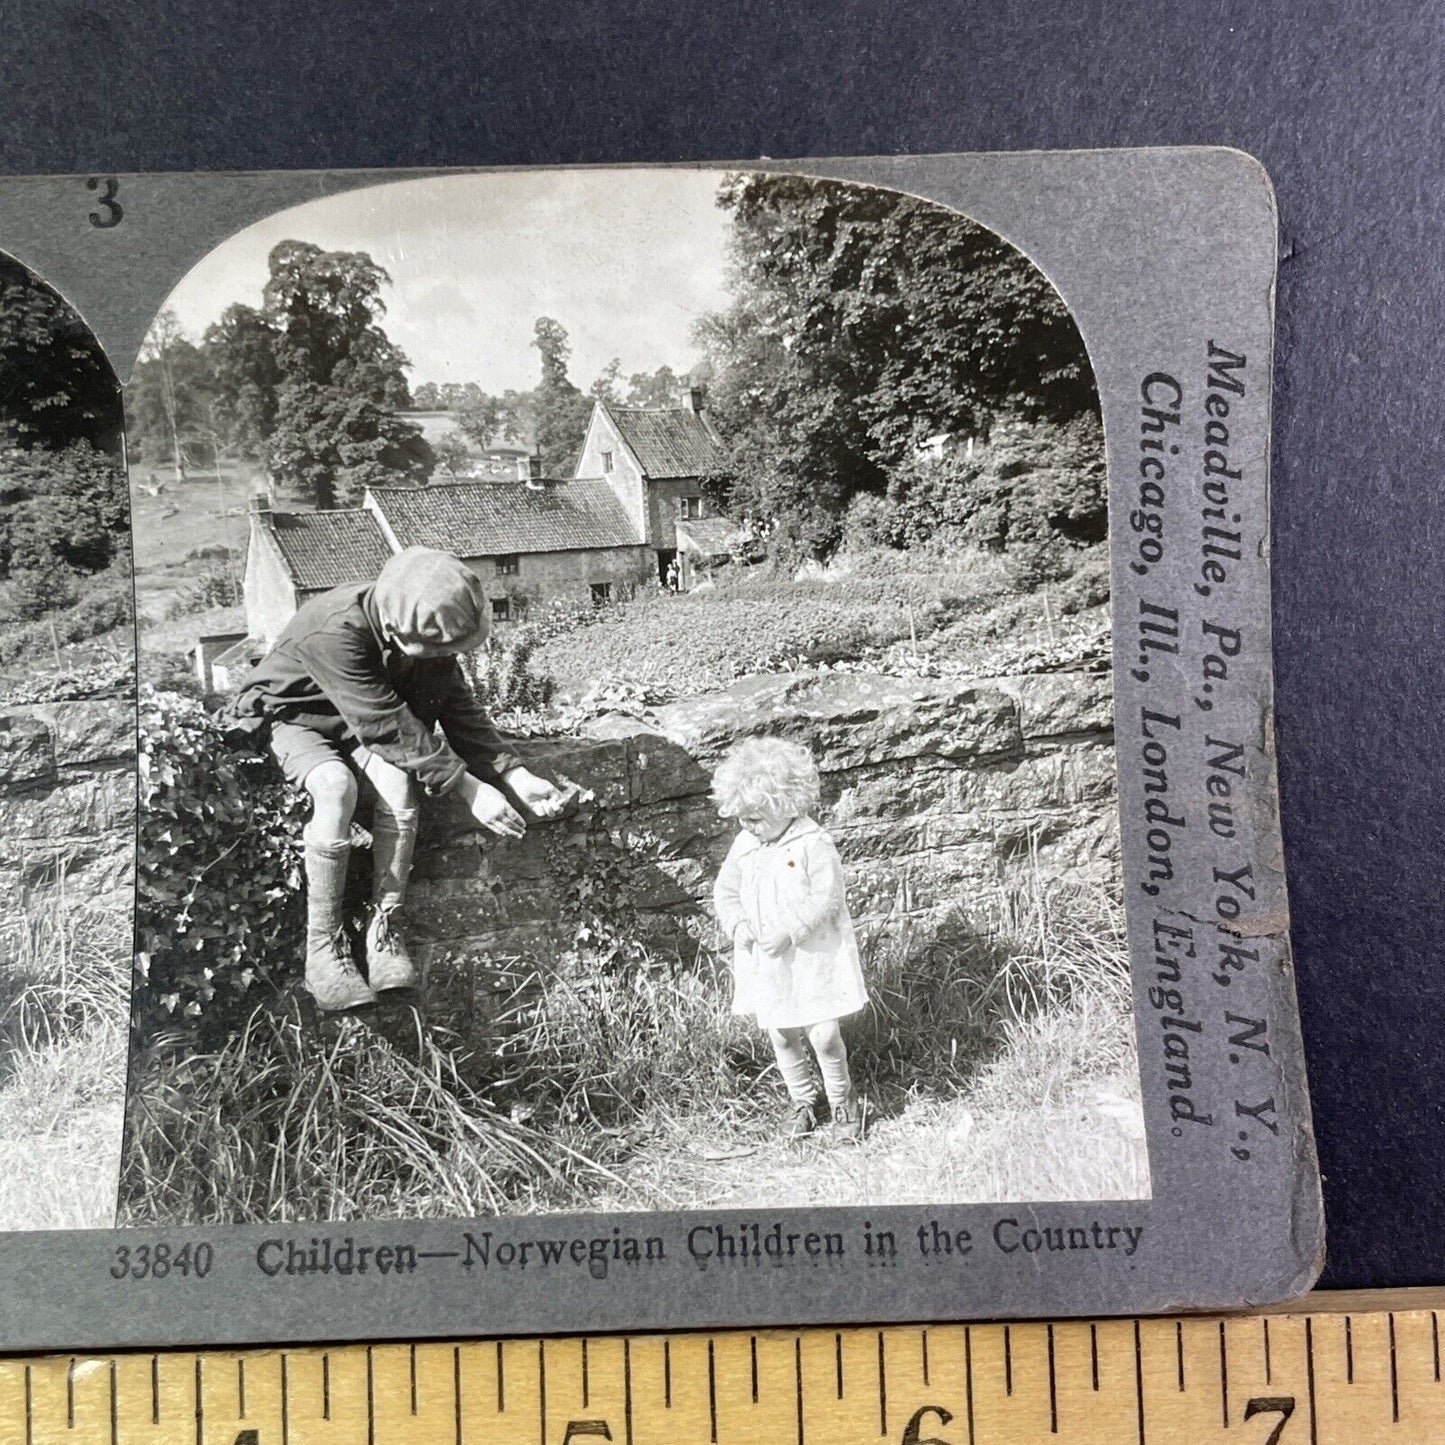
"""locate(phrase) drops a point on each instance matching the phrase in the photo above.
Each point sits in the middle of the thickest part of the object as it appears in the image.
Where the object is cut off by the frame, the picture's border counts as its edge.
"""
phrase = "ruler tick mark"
(241, 1389)
(70, 1394)
(1268, 1373)
(798, 1381)
(1053, 1392)
(155, 1389)
(1139, 1378)
(285, 1403)
(882, 1388)
(326, 1387)
(838, 1363)
(586, 1377)
(1178, 1353)
(370, 1403)
(1349, 1353)
(114, 1422)
(200, 1408)
(753, 1356)
(627, 1387)
(1008, 1361)
(29, 1411)
(968, 1378)
(1394, 1374)
(1310, 1377)
(501, 1385)
(711, 1394)
(1435, 1342)
(457, 1394)
(542, 1390)
(1223, 1377)
(412, 1354)
(666, 1375)
(925, 1357)
(1094, 1355)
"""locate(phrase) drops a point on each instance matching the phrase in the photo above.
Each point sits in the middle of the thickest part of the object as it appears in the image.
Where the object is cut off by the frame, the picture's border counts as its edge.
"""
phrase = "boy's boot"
(332, 977)
(850, 1117)
(393, 842)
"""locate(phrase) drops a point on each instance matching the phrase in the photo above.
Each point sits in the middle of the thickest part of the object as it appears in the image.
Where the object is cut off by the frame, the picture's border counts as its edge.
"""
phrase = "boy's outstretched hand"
(544, 798)
(489, 806)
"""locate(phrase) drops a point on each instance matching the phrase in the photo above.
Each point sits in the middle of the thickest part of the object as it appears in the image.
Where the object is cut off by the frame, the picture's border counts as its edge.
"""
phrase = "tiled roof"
(672, 443)
(326, 549)
(488, 519)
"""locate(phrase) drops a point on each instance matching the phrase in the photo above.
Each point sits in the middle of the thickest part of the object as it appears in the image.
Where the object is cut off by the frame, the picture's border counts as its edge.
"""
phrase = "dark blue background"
(1344, 110)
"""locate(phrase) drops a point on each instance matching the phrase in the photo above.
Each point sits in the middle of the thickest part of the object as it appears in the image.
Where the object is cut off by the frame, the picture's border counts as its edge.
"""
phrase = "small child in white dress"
(780, 898)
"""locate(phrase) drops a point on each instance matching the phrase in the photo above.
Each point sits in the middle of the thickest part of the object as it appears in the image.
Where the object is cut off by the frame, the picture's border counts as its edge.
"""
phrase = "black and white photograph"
(67, 763)
(626, 712)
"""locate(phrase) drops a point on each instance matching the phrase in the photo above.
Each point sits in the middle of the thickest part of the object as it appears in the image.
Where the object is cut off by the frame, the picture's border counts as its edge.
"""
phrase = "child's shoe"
(802, 1119)
(849, 1118)
(332, 977)
(388, 960)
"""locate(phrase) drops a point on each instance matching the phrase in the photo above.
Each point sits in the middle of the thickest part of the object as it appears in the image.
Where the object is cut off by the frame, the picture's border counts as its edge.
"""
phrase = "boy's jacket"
(334, 670)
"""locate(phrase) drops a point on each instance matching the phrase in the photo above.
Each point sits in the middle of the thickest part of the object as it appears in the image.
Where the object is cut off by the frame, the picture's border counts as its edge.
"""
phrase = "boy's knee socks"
(393, 844)
(326, 865)
(837, 1081)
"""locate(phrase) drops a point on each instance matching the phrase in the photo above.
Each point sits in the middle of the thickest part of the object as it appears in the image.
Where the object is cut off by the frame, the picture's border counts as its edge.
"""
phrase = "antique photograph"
(67, 763)
(626, 712)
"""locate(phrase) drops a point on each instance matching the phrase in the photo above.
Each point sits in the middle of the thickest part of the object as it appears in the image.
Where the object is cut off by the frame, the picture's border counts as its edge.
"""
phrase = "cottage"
(655, 461)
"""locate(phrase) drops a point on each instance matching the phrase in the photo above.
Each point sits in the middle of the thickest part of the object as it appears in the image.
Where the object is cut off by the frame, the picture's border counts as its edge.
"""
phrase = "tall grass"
(588, 1086)
(64, 992)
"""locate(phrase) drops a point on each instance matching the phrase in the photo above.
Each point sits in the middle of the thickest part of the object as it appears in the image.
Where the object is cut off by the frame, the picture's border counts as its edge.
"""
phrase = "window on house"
(501, 609)
(691, 509)
(606, 461)
(601, 593)
(508, 566)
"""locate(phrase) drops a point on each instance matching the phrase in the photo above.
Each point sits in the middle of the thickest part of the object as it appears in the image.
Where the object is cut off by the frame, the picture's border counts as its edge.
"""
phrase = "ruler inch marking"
(1394, 1374)
(1310, 1378)
(711, 1394)
(542, 1391)
(457, 1394)
(114, 1411)
(1178, 1353)
(968, 1377)
(586, 1377)
(1223, 1377)
(200, 1403)
(1053, 1389)
(285, 1402)
(1139, 1379)
(370, 1403)
(326, 1386)
(925, 1356)
(882, 1388)
(1268, 1373)
(1435, 1342)
(753, 1358)
(1008, 1361)
(667, 1374)
(241, 1387)
(838, 1362)
(1349, 1353)
(627, 1386)
(412, 1354)
(70, 1394)
(155, 1389)
(29, 1410)
(1094, 1354)
(501, 1385)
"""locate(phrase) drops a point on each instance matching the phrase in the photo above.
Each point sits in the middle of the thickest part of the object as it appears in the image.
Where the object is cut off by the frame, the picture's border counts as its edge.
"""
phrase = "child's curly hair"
(767, 773)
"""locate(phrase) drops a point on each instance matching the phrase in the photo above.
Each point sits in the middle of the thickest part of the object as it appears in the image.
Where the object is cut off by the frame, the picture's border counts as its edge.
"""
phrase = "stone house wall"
(935, 790)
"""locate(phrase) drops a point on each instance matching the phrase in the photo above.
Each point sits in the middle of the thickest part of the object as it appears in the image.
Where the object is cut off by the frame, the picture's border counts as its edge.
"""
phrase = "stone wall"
(933, 789)
(67, 802)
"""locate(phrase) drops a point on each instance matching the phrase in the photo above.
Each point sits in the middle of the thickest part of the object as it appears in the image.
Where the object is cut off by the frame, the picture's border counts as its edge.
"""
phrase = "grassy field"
(997, 1057)
(64, 992)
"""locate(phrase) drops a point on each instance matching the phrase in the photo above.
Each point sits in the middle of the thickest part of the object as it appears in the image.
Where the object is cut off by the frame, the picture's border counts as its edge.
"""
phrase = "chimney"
(696, 398)
(534, 471)
(260, 504)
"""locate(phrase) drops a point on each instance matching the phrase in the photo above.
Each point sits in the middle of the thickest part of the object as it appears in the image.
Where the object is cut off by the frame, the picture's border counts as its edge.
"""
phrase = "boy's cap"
(424, 596)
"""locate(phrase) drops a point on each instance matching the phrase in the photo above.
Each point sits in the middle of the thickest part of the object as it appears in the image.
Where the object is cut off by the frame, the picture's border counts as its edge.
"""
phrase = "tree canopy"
(863, 322)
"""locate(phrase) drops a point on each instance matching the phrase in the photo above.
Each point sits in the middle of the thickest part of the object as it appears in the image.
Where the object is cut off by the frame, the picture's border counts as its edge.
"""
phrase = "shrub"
(505, 675)
(35, 591)
(1088, 584)
(64, 509)
(219, 905)
(108, 603)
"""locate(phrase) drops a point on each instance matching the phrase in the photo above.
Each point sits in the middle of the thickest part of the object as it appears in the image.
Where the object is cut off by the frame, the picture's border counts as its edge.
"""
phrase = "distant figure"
(349, 697)
(780, 898)
(674, 575)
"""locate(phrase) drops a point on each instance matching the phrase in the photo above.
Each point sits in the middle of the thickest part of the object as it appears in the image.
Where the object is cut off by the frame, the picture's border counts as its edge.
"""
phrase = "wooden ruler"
(1347, 1369)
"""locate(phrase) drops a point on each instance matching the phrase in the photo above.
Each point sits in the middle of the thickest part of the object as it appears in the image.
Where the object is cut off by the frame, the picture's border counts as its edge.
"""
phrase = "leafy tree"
(863, 322)
(607, 387)
(482, 419)
(61, 511)
(342, 379)
(451, 454)
(56, 386)
(168, 399)
(426, 397)
(561, 411)
(660, 388)
(240, 351)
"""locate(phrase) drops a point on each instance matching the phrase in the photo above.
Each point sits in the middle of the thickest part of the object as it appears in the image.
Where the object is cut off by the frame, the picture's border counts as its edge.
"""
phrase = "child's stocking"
(832, 1054)
(331, 976)
(793, 1064)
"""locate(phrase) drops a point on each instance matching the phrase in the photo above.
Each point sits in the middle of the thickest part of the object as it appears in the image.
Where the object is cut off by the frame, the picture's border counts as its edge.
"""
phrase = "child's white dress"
(795, 883)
